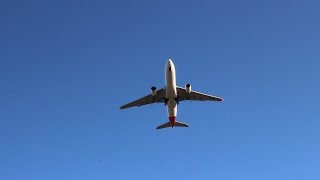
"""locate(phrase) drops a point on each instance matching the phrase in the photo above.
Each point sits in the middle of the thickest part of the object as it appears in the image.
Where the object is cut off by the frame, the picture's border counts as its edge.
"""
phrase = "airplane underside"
(171, 95)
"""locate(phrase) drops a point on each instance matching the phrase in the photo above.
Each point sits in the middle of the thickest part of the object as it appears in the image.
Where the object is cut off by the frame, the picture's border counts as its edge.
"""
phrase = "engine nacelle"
(188, 88)
(153, 91)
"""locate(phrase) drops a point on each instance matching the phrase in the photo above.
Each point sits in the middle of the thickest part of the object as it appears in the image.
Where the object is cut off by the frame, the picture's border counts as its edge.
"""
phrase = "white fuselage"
(171, 90)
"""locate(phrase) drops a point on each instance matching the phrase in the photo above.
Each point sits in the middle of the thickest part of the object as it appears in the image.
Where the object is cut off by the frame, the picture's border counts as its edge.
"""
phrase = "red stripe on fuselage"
(172, 120)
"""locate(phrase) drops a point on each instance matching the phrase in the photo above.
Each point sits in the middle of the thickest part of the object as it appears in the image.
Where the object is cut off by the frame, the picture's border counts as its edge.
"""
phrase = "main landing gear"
(165, 100)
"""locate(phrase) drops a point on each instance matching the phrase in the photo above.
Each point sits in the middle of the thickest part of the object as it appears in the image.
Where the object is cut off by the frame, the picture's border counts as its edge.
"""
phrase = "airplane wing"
(149, 99)
(197, 96)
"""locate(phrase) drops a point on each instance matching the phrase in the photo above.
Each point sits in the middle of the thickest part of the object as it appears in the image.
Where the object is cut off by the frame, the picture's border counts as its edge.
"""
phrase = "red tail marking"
(172, 120)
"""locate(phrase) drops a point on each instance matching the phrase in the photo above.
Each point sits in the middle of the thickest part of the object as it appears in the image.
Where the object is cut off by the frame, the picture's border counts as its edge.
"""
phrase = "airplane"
(171, 95)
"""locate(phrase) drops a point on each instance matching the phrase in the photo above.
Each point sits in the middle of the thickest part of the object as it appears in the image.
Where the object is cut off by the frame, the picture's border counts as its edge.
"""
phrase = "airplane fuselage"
(171, 95)
(171, 91)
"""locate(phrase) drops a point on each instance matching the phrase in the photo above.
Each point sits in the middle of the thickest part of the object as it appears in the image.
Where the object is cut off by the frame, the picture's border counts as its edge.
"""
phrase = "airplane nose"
(169, 63)
(169, 66)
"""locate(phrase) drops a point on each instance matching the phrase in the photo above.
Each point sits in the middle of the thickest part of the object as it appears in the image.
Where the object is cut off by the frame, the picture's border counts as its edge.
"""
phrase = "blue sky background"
(66, 66)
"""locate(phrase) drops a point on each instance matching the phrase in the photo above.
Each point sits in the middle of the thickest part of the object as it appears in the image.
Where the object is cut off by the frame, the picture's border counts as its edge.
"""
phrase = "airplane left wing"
(149, 99)
(197, 96)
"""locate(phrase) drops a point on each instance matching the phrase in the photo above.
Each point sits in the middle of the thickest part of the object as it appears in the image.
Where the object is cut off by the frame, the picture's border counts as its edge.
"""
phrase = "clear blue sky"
(66, 66)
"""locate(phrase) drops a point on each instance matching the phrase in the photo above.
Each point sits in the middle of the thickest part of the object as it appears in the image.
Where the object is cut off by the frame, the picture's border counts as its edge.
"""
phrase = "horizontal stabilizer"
(176, 124)
(181, 124)
(165, 125)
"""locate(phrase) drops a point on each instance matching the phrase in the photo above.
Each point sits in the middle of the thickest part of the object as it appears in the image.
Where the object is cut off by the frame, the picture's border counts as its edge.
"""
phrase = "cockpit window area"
(169, 68)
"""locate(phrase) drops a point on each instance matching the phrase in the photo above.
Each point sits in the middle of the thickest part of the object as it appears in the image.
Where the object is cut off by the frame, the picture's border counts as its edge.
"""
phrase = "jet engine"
(188, 88)
(153, 91)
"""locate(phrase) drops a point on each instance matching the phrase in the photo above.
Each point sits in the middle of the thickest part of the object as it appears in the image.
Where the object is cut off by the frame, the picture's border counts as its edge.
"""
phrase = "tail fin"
(168, 124)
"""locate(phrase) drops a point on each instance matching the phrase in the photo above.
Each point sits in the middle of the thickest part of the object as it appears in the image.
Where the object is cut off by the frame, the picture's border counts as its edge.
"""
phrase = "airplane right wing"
(149, 99)
(196, 96)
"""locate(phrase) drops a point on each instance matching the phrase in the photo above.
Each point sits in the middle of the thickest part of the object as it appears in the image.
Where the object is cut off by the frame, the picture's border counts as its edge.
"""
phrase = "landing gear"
(177, 99)
(165, 100)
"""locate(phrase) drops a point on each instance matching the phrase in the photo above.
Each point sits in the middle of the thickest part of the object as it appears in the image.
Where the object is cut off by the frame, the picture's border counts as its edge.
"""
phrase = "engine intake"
(153, 91)
(188, 88)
